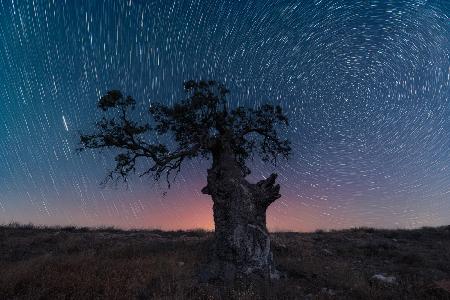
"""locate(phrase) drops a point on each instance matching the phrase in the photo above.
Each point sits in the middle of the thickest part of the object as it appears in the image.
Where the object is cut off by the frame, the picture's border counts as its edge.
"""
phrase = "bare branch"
(199, 125)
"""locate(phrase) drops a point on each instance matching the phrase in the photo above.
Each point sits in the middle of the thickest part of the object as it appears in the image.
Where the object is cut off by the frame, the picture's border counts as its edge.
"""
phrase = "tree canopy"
(202, 125)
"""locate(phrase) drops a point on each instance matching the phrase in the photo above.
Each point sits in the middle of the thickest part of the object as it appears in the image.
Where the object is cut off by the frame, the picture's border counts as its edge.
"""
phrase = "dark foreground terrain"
(105, 263)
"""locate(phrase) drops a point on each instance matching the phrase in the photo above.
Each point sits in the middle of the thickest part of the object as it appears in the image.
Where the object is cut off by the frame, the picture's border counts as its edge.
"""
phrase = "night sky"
(366, 86)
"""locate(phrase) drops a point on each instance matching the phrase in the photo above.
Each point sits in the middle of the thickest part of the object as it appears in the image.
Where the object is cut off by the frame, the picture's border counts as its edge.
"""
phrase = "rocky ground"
(106, 263)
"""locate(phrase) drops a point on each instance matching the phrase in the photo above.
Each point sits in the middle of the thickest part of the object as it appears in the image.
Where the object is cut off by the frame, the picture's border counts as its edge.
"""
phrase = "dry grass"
(107, 263)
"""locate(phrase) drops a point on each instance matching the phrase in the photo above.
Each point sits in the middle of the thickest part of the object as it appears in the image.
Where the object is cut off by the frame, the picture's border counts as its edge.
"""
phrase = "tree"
(203, 125)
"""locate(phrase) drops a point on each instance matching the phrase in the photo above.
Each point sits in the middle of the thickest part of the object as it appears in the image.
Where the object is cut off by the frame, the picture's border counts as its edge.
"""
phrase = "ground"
(107, 263)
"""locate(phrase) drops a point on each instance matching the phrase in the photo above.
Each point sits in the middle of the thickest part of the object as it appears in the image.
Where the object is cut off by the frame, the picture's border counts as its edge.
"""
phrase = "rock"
(309, 297)
(384, 279)
(327, 252)
(328, 291)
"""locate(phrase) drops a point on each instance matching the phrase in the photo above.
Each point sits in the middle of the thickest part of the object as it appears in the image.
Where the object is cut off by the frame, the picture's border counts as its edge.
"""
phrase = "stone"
(180, 263)
(384, 279)
(327, 252)
(328, 291)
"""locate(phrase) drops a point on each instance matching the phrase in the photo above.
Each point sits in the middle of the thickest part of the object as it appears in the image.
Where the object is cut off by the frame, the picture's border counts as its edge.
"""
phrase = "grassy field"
(106, 263)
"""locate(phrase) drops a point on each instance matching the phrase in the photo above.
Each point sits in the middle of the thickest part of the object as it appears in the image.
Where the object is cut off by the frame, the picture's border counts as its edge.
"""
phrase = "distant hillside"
(106, 263)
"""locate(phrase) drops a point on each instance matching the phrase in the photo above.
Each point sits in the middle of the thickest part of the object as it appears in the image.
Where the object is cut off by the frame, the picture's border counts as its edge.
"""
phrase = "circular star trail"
(365, 85)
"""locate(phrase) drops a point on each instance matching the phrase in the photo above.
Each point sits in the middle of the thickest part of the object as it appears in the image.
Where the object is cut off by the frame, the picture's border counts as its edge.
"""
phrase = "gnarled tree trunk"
(242, 242)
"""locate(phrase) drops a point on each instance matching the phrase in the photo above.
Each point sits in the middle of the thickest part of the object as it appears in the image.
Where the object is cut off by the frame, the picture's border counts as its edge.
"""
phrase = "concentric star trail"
(365, 85)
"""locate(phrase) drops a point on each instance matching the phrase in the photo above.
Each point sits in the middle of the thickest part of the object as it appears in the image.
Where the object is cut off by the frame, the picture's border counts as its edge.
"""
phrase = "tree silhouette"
(203, 125)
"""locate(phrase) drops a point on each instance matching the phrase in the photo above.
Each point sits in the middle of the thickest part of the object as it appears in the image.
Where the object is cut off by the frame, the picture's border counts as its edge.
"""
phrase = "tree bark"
(241, 240)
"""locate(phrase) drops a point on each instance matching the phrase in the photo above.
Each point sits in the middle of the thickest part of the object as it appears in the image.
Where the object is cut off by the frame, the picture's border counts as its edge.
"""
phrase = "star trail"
(365, 85)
